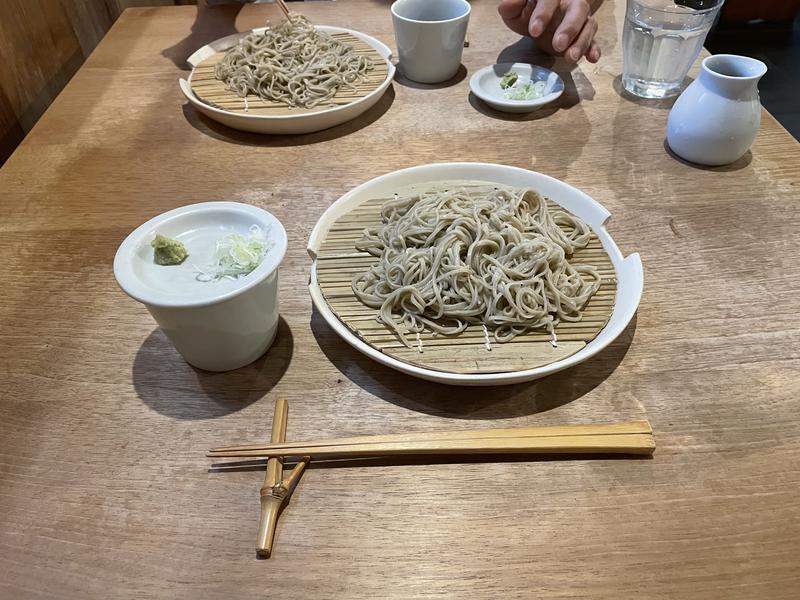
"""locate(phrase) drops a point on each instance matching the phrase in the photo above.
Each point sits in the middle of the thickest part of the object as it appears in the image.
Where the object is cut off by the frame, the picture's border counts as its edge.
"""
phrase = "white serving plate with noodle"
(286, 124)
(629, 273)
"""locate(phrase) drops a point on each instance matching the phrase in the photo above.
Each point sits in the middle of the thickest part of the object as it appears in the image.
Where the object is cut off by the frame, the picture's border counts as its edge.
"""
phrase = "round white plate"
(485, 84)
(291, 124)
(628, 269)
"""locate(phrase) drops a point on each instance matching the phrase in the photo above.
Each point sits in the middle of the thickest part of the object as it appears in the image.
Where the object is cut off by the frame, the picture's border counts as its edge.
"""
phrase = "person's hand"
(559, 26)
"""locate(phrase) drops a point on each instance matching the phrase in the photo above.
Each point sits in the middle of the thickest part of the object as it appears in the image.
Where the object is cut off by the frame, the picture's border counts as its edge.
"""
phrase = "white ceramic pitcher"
(716, 118)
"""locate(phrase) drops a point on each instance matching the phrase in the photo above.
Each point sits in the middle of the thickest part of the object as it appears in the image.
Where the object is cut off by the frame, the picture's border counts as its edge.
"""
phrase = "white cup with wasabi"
(219, 304)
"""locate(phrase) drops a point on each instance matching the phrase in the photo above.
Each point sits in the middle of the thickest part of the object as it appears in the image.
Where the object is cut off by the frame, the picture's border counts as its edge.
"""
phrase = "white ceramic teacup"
(430, 37)
(215, 325)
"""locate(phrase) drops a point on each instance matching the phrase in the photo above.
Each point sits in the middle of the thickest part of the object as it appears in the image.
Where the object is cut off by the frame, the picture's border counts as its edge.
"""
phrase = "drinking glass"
(661, 40)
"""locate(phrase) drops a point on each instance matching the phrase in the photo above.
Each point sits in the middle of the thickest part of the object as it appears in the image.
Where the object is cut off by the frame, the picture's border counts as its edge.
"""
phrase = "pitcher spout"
(732, 75)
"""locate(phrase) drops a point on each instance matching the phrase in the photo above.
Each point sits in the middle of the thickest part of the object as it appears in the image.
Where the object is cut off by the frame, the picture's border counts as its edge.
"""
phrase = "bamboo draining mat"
(338, 261)
(212, 91)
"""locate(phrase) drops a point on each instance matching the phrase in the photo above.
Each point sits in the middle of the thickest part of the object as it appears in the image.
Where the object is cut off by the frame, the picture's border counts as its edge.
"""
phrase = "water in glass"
(661, 40)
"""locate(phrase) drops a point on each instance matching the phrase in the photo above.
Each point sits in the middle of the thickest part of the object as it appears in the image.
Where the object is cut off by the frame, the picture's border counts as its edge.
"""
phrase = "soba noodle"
(292, 63)
(499, 259)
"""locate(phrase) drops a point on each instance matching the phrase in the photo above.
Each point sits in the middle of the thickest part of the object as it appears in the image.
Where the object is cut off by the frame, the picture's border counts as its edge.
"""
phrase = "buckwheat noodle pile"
(498, 259)
(292, 63)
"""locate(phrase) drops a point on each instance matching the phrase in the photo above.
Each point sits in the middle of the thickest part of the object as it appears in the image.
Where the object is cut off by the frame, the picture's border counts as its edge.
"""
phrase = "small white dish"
(215, 325)
(287, 124)
(485, 84)
(630, 278)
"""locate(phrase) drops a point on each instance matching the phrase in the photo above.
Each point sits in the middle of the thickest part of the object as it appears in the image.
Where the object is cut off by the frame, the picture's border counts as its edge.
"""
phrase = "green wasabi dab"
(168, 251)
(509, 79)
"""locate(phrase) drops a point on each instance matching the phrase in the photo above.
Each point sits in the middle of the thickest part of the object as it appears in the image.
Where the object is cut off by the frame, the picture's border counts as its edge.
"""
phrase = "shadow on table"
(576, 86)
(218, 131)
(498, 402)
(742, 163)
(172, 387)
(401, 79)
(209, 25)
(485, 109)
(662, 103)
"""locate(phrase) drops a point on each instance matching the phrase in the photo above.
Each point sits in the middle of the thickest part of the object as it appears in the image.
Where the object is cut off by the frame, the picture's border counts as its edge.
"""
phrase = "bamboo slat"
(338, 261)
(213, 92)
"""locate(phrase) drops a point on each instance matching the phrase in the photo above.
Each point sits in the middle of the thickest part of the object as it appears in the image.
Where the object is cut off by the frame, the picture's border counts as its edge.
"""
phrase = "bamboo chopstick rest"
(276, 490)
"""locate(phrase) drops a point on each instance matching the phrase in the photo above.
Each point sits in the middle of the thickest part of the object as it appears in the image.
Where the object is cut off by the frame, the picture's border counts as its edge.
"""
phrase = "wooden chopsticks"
(283, 7)
(617, 438)
(634, 438)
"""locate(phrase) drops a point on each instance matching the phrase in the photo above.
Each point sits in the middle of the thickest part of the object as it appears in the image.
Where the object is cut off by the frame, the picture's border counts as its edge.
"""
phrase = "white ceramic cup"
(215, 325)
(430, 37)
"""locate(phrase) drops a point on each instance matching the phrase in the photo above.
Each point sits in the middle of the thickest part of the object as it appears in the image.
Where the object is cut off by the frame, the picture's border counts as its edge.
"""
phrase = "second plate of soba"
(472, 273)
(291, 77)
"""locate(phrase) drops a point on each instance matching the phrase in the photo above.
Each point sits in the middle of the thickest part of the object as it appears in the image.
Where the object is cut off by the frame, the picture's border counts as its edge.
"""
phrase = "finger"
(516, 14)
(582, 42)
(571, 25)
(594, 53)
(541, 16)
(511, 9)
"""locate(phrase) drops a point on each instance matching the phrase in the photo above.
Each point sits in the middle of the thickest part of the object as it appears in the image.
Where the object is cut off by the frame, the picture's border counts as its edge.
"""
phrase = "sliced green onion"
(530, 90)
(236, 255)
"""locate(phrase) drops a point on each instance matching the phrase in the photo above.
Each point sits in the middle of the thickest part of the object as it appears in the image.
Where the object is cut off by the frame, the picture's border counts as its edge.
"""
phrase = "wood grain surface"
(104, 486)
(42, 44)
(474, 350)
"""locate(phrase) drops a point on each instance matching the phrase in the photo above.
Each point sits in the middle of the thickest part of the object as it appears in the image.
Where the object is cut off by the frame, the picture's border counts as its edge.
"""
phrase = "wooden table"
(104, 489)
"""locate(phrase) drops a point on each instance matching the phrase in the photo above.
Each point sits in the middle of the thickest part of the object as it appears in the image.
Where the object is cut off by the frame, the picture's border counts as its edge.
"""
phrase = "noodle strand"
(292, 63)
(449, 259)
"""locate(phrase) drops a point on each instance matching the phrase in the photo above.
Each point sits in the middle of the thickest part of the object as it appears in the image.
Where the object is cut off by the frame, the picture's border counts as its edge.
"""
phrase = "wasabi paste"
(509, 79)
(168, 251)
